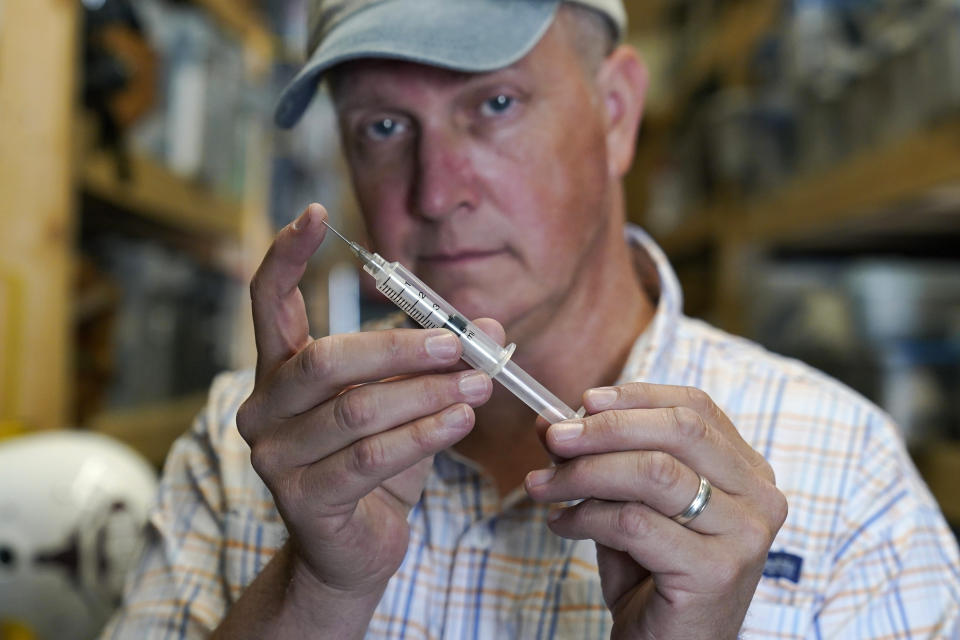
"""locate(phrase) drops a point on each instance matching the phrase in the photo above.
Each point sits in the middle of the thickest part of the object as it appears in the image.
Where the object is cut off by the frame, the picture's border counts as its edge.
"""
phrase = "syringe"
(480, 351)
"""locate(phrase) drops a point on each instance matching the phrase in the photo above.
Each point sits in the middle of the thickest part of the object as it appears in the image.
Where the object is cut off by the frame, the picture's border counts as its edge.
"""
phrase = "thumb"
(492, 328)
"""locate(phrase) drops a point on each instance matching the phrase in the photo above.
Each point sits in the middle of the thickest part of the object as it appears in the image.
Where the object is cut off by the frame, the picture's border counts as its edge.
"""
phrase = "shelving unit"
(38, 43)
(905, 187)
(861, 191)
(43, 191)
(157, 194)
(864, 192)
(900, 197)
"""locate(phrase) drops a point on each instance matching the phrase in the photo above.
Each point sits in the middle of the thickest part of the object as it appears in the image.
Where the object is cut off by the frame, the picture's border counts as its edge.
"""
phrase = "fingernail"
(602, 397)
(455, 417)
(554, 515)
(563, 431)
(473, 384)
(302, 221)
(443, 346)
(540, 476)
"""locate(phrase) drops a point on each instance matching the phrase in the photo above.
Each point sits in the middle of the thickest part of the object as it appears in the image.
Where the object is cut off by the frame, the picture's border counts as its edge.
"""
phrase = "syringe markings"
(409, 307)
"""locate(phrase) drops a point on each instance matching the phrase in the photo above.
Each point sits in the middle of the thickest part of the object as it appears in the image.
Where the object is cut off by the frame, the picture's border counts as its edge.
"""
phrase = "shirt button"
(481, 537)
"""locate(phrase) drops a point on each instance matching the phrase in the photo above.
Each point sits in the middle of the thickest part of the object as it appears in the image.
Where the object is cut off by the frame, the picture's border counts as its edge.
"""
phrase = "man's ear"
(622, 82)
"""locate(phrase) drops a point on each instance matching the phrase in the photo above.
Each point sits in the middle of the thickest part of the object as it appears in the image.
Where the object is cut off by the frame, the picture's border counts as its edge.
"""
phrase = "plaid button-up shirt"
(864, 552)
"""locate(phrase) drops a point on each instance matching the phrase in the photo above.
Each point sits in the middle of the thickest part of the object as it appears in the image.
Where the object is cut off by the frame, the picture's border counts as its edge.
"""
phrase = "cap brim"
(465, 35)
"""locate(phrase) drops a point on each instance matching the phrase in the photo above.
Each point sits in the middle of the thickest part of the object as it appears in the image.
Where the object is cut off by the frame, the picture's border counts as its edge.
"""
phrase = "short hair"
(594, 35)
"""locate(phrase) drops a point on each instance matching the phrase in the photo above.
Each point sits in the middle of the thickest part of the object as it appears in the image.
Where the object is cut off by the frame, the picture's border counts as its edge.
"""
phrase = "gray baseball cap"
(465, 35)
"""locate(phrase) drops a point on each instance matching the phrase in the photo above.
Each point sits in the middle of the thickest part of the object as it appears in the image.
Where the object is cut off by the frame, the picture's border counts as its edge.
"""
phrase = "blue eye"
(497, 104)
(384, 128)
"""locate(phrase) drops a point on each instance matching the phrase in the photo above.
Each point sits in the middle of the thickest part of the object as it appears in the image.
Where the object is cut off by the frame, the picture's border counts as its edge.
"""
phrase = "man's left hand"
(636, 462)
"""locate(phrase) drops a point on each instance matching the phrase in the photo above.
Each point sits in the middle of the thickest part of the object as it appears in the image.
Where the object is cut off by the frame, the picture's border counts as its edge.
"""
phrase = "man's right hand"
(343, 429)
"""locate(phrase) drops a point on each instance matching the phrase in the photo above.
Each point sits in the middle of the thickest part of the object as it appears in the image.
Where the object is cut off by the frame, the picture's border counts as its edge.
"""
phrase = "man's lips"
(460, 257)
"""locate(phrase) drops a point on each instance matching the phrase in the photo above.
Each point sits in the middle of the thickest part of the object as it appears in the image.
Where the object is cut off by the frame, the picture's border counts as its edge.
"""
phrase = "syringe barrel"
(428, 309)
(480, 351)
(534, 394)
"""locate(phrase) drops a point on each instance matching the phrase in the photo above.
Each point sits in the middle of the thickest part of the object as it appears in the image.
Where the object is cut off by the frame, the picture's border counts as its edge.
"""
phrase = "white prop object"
(72, 509)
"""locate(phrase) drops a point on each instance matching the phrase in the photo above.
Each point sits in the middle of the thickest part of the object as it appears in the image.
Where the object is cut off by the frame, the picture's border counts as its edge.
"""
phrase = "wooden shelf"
(875, 184)
(151, 429)
(870, 192)
(158, 194)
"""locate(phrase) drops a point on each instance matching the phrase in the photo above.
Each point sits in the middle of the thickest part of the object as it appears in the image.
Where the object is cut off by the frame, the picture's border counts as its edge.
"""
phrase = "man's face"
(494, 188)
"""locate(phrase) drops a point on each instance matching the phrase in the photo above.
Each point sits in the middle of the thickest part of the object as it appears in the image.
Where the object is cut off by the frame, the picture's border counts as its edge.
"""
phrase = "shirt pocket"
(783, 608)
(250, 541)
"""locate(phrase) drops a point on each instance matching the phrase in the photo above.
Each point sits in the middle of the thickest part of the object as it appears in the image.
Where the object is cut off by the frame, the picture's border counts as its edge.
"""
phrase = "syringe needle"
(359, 251)
(340, 235)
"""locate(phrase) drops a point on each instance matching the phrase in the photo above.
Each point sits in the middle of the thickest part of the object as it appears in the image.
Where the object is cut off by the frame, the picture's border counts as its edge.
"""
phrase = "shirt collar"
(649, 358)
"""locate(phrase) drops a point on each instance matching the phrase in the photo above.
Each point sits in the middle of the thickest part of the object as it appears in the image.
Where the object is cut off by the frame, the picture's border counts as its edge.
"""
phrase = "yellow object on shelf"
(11, 338)
(9, 429)
(11, 630)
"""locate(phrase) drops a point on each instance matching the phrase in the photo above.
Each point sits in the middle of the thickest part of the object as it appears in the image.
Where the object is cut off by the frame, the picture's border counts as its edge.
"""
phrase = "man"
(371, 486)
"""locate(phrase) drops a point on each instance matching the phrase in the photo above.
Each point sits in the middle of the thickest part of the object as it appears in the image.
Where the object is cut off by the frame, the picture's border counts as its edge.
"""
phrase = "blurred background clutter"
(800, 164)
(799, 161)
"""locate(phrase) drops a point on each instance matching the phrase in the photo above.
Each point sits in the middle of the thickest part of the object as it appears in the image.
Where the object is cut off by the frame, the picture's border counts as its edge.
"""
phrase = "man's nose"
(445, 175)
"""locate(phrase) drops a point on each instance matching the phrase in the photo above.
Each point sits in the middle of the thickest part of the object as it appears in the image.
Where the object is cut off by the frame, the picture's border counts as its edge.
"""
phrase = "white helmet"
(72, 509)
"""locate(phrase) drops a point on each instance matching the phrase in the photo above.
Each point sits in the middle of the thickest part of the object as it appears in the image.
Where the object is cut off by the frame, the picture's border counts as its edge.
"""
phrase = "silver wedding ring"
(697, 505)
